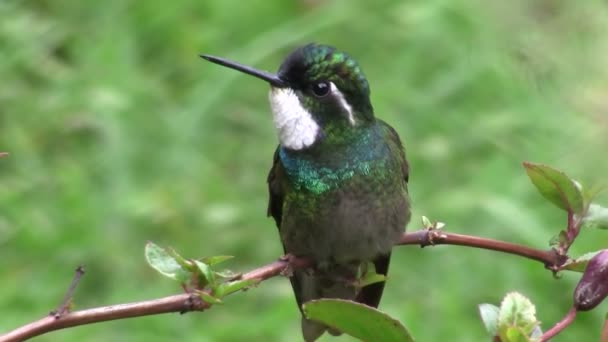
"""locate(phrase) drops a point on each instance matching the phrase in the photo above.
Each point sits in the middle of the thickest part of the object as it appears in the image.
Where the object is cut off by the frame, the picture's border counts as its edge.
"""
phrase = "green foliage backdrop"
(120, 134)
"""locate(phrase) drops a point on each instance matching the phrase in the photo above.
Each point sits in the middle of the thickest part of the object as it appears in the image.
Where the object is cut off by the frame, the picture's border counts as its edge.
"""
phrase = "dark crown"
(312, 63)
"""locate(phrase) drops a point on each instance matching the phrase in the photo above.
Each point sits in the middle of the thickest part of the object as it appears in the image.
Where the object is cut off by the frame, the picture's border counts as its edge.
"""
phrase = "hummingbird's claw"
(288, 270)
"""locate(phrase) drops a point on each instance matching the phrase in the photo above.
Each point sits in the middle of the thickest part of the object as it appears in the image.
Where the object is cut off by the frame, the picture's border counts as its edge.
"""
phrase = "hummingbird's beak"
(271, 78)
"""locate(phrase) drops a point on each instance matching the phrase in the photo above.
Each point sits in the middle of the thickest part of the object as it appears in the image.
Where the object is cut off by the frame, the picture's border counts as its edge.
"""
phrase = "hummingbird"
(338, 182)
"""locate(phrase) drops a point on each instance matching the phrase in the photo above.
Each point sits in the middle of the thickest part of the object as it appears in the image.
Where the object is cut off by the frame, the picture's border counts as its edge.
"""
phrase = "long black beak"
(271, 78)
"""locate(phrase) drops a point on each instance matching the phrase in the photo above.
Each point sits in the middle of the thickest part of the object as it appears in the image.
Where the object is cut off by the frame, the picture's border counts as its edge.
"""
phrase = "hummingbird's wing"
(396, 147)
(275, 191)
(371, 294)
(275, 209)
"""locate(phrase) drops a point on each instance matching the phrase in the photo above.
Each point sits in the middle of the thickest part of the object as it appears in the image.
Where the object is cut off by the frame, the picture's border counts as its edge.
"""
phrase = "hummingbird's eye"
(321, 89)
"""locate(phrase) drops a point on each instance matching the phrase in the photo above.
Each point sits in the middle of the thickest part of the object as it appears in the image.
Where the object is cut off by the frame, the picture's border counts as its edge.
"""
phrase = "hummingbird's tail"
(312, 330)
(335, 281)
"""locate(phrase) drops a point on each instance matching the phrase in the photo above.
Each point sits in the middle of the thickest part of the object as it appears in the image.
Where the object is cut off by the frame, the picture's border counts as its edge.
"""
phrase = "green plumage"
(323, 168)
(342, 202)
(321, 62)
(312, 63)
(338, 183)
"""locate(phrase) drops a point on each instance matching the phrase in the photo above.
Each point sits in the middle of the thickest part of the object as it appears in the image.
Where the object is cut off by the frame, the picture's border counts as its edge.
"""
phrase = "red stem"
(559, 326)
(425, 237)
(604, 335)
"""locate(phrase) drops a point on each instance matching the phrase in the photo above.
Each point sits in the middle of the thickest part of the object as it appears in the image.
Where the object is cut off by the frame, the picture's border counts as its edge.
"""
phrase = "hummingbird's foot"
(288, 270)
(296, 262)
(346, 275)
(347, 281)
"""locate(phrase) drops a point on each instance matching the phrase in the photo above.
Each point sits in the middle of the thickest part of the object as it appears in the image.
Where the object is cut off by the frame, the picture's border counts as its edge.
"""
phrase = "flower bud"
(593, 286)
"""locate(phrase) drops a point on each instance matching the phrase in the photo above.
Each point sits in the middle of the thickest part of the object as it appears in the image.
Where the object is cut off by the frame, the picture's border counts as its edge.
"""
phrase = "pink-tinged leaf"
(556, 186)
(209, 299)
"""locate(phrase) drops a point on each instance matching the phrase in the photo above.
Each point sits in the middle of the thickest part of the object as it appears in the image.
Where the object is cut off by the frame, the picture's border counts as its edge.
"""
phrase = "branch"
(181, 303)
(186, 302)
(429, 237)
(177, 303)
(559, 326)
(64, 307)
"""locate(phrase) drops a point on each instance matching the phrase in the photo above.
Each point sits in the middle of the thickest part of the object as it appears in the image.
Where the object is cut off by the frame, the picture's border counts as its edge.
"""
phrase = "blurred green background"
(119, 133)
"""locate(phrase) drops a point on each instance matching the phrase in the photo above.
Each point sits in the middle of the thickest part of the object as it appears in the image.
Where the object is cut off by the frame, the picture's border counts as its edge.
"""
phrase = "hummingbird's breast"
(345, 204)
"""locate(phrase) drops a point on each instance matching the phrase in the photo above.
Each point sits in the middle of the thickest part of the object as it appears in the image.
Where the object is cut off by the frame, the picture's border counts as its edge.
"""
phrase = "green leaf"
(561, 239)
(513, 334)
(591, 193)
(370, 278)
(164, 263)
(233, 286)
(208, 276)
(214, 260)
(516, 316)
(367, 276)
(426, 223)
(555, 186)
(439, 225)
(227, 274)
(209, 299)
(489, 316)
(357, 320)
(596, 217)
(185, 264)
(579, 264)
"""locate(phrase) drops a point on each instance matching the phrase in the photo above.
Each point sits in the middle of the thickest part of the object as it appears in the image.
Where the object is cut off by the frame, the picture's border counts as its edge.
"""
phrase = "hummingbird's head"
(318, 93)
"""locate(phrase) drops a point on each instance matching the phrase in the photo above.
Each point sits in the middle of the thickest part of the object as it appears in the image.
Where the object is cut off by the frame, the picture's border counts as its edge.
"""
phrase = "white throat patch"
(295, 125)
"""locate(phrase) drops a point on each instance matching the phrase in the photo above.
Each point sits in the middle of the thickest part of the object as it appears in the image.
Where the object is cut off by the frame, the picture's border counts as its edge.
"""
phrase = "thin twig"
(64, 307)
(180, 303)
(550, 258)
(559, 326)
(189, 302)
(3, 154)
